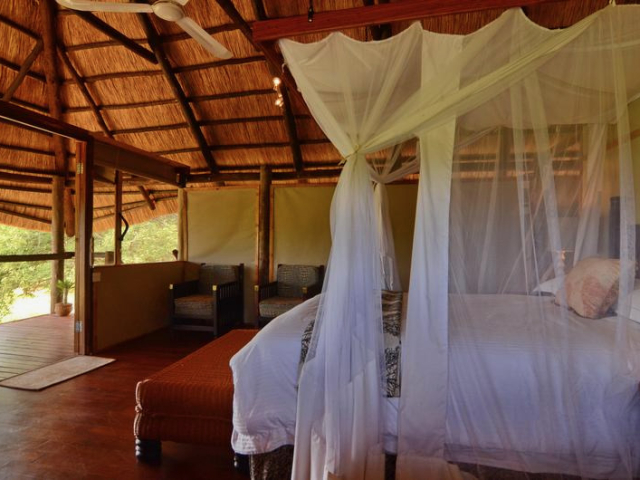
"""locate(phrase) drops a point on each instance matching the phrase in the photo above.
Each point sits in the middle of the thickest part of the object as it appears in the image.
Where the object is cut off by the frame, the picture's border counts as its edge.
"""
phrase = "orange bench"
(190, 401)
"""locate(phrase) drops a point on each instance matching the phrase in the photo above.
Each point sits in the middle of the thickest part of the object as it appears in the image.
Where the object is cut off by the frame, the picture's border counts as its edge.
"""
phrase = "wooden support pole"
(24, 70)
(69, 214)
(84, 223)
(264, 213)
(48, 19)
(183, 225)
(117, 220)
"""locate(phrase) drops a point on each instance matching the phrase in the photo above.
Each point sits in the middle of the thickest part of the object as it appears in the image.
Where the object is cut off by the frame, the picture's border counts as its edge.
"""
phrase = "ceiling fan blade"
(200, 35)
(90, 6)
(182, 2)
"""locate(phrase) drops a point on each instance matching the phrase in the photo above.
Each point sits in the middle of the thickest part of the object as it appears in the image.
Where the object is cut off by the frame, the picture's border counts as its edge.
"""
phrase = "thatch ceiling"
(232, 101)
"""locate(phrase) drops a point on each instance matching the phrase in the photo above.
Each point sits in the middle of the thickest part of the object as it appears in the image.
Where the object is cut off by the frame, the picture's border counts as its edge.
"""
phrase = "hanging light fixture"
(276, 87)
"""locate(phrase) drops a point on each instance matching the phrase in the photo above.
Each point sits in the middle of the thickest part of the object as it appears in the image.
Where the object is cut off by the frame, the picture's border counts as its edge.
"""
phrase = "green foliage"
(151, 241)
(63, 287)
(30, 276)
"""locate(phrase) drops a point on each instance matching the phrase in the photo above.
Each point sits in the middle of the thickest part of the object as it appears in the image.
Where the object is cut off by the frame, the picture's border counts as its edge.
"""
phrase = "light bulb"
(276, 82)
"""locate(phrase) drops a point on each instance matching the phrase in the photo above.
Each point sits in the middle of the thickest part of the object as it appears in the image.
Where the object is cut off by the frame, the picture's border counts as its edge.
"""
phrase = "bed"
(266, 373)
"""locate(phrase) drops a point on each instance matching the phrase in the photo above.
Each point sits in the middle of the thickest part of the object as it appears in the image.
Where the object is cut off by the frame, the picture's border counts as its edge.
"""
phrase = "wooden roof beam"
(174, 37)
(85, 93)
(406, 10)
(18, 27)
(31, 150)
(116, 35)
(171, 101)
(177, 70)
(267, 48)
(16, 68)
(24, 70)
(149, 200)
(161, 56)
(243, 146)
(25, 216)
(205, 123)
(290, 121)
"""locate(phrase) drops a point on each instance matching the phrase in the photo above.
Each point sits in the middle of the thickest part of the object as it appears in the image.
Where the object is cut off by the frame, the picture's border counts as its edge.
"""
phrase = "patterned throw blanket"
(391, 318)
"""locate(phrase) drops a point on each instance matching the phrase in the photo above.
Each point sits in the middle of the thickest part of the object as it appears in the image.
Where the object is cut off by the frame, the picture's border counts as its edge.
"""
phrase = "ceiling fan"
(169, 10)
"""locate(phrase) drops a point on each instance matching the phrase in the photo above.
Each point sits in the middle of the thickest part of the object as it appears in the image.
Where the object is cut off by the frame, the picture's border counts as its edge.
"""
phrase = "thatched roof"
(232, 100)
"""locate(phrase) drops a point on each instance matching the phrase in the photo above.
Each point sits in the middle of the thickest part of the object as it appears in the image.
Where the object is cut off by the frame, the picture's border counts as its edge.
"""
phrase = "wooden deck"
(83, 428)
(35, 342)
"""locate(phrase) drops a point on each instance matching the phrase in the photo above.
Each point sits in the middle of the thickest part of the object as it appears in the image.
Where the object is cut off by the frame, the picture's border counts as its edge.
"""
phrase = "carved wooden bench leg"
(148, 451)
(241, 463)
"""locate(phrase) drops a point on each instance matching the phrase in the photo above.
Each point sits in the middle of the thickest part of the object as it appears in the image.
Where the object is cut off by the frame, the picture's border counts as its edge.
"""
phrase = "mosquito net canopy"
(519, 346)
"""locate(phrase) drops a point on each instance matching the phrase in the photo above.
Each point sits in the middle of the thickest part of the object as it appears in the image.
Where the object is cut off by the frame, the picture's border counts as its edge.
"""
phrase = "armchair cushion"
(194, 306)
(292, 278)
(274, 306)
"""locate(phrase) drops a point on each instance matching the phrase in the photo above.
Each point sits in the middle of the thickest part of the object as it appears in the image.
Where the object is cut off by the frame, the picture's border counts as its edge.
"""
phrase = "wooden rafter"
(204, 123)
(292, 131)
(170, 101)
(16, 68)
(406, 10)
(25, 216)
(243, 146)
(24, 70)
(177, 70)
(78, 80)
(119, 37)
(174, 37)
(160, 54)
(274, 59)
(16, 26)
(33, 151)
(289, 119)
(147, 197)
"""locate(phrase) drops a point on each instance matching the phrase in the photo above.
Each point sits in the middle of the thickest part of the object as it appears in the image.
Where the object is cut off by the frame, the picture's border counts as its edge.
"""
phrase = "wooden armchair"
(214, 302)
(294, 284)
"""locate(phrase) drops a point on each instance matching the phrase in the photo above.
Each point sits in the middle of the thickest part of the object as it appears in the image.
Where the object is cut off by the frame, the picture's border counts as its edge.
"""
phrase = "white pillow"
(635, 303)
(551, 286)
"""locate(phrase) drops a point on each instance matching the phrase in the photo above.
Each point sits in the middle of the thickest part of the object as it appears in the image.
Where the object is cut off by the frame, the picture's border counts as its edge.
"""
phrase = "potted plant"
(63, 309)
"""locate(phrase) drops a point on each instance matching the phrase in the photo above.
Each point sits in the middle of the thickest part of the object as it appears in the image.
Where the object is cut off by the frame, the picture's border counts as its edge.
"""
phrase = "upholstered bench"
(191, 400)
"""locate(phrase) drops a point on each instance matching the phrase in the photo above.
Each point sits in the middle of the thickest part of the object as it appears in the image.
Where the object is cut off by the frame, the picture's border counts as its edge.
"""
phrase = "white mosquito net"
(519, 348)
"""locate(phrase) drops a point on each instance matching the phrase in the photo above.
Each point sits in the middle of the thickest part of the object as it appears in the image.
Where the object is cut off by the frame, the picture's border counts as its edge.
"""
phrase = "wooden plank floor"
(83, 428)
(35, 342)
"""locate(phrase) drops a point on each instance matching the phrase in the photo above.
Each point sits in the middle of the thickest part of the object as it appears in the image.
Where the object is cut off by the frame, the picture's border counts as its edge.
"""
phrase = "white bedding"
(265, 376)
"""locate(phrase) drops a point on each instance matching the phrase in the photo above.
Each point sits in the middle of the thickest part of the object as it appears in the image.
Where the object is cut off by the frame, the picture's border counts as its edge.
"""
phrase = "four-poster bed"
(492, 373)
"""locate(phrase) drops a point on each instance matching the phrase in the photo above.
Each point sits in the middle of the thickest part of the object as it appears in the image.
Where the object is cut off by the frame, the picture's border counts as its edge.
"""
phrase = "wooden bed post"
(84, 211)
(264, 210)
